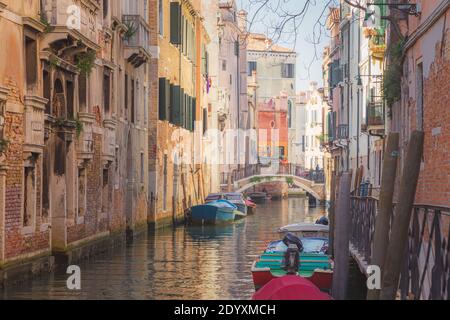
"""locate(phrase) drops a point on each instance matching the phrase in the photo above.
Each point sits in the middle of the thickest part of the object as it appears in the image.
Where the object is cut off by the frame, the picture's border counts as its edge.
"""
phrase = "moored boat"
(251, 206)
(259, 197)
(290, 287)
(312, 263)
(305, 229)
(238, 200)
(215, 212)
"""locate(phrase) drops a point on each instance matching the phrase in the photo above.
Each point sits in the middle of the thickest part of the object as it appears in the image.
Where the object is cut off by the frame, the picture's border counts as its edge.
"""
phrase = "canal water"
(207, 262)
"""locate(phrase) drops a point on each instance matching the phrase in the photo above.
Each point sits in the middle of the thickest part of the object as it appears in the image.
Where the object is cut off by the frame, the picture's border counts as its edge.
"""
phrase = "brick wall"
(434, 181)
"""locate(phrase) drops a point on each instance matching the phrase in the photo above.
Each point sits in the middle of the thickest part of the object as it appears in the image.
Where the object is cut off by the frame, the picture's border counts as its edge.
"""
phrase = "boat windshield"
(233, 197)
(213, 197)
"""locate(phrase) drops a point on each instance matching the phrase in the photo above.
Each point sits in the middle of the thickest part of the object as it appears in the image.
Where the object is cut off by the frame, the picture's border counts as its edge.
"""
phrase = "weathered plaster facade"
(179, 178)
(74, 94)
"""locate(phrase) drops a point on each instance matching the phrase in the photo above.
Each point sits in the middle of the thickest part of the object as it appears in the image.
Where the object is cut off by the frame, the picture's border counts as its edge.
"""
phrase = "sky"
(266, 20)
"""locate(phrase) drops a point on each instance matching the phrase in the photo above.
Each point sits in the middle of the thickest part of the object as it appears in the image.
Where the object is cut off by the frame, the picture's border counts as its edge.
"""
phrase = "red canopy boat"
(290, 287)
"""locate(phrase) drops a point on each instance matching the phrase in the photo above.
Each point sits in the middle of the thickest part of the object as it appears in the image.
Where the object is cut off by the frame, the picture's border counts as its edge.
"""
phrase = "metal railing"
(342, 131)
(375, 114)
(139, 33)
(426, 273)
(316, 176)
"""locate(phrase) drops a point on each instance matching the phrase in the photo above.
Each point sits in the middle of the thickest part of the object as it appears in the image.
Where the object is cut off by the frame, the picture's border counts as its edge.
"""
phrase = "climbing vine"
(255, 180)
(85, 62)
(78, 126)
(393, 75)
(48, 27)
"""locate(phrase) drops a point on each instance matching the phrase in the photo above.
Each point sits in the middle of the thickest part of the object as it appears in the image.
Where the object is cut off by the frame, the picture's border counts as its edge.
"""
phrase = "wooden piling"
(383, 217)
(342, 238)
(332, 211)
(395, 256)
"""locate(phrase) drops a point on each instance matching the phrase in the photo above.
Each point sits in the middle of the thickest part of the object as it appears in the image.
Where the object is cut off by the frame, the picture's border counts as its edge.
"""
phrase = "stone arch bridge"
(311, 181)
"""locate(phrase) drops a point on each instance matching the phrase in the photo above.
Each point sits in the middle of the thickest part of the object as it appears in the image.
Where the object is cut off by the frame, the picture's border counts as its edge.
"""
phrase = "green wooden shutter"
(194, 113)
(175, 23)
(176, 105)
(162, 99)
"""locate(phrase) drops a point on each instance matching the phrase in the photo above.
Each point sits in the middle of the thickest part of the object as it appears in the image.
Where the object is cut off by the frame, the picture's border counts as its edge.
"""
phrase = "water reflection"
(210, 262)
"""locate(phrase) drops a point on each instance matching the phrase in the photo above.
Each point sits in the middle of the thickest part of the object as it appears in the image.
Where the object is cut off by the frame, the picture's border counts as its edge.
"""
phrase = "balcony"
(34, 123)
(85, 138)
(109, 140)
(136, 40)
(342, 131)
(56, 14)
(375, 118)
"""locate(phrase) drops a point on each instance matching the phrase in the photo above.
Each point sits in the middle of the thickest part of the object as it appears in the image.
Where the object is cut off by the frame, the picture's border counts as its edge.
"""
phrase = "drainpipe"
(348, 94)
(358, 126)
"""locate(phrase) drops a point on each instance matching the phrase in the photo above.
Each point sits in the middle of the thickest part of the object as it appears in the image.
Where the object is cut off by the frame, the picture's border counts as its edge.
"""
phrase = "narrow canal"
(185, 263)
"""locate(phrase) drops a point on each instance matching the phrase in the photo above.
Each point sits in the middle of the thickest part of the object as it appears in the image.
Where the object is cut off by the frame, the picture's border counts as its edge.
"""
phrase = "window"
(175, 23)
(252, 66)
(164, 99)
(29, 196)
(47, 90)
(419, 96)
(205, 120)
(81, 192)
(132, 100)
(70, 97)
(287, 70)
(105, 8)
(224, 65)
(31, 62)
(106, 91)
(82, 94)
(161, 17)
(176, 105)
(282, 152)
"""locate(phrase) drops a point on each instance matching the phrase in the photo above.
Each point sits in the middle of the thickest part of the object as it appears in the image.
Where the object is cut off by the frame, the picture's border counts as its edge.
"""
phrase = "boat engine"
(290, 238)
(292, 259)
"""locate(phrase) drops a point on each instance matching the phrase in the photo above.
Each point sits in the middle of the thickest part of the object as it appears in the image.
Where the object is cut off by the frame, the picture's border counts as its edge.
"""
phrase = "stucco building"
(74, 86)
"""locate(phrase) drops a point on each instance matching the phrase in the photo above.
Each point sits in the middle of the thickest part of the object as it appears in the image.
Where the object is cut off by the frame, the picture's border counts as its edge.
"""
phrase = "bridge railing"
(426, 272)
(244, 172)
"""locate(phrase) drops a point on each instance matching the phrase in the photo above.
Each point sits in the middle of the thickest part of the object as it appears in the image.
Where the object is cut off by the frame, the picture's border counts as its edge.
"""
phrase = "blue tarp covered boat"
(215, 212)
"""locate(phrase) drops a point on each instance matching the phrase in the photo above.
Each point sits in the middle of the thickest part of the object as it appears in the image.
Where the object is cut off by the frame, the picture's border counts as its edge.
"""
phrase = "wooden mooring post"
(332, 211)
(383, 217)
(399, 235)
(342, 238)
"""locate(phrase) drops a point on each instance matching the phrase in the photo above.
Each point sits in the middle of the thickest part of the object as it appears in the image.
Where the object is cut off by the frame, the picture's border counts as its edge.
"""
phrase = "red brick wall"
(16, 243)
(434, 181)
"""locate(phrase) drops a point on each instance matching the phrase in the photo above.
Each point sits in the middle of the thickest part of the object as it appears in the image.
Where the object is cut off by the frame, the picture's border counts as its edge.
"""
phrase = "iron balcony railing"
(375, 114)
(138, 34)
(342, 131)
(426, 272)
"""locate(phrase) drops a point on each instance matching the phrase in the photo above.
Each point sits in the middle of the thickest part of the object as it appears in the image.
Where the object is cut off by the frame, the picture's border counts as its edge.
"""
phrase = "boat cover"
(290, 287)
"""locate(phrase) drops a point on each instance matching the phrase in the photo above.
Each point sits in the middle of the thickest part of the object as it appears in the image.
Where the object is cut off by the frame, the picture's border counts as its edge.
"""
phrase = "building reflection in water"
(209, 262)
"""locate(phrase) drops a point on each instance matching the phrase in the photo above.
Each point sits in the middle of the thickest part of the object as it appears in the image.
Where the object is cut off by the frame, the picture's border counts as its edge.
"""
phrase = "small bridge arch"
(317, 190)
